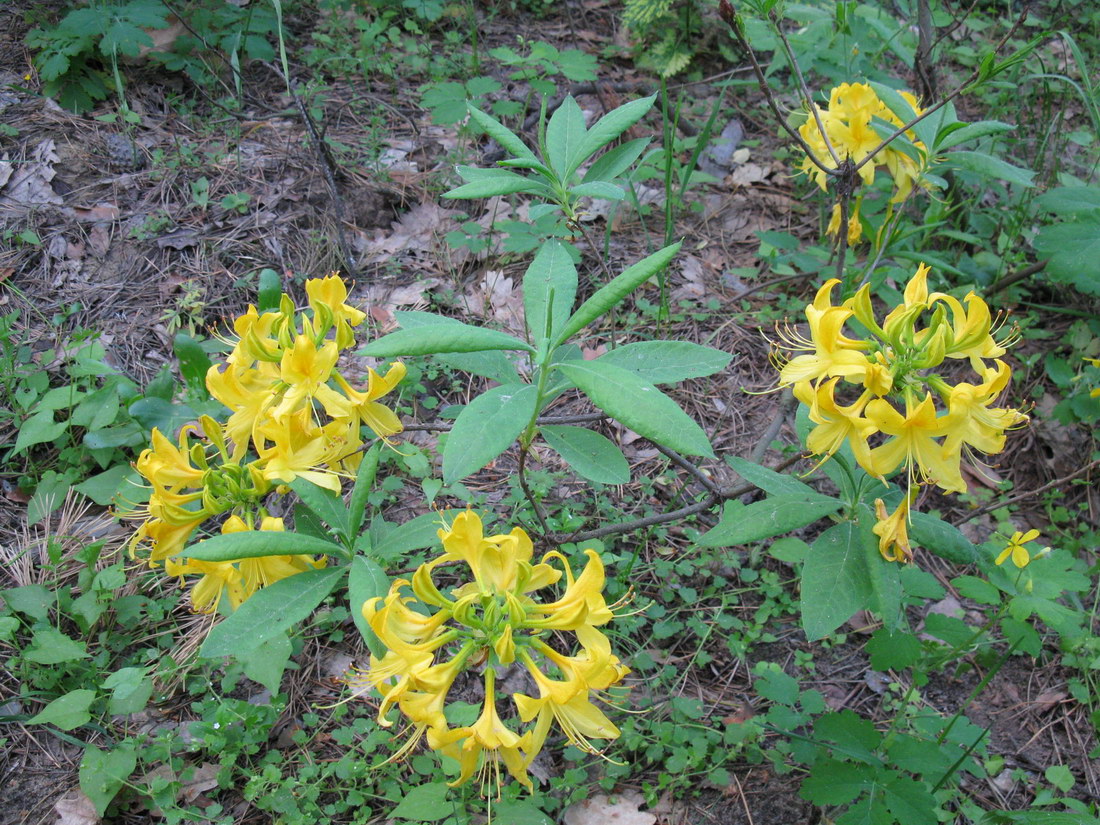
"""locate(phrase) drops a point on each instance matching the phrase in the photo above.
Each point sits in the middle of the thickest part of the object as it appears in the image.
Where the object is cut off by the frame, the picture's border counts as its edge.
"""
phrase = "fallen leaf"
(99, 212)
(416, 230)
(691, 270)
(498, 297)
(602, 810)
(748, 174)
(204, 777)
(1048, 699)
(28, 184)
(74, 808)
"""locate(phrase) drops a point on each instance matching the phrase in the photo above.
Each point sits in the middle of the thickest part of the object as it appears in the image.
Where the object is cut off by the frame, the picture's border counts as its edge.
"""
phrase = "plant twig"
(681, 462)
(1058, 482)
(445, 426)
(521, 475)
(1020, 275)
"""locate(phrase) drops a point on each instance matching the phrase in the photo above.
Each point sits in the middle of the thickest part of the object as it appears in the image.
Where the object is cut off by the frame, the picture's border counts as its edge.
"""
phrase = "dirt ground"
(123, 237)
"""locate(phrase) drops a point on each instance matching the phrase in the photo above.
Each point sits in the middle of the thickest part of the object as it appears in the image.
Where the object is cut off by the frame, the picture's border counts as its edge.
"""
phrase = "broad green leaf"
(267, 663)
(911, 802)
(549, 289)
(364, 480)
(590, 454)
(508, 140)
(102, 488)
(832, 782)
(50, 646)
(66, 712)
(103, 773)
(972, 131)
(270, 291)
(258, 543)
(486, 427)
(882, 575)
(1074, 251)
(773, 516)
(855, 736)
(835, 584)
(416, 534)
(599, 189)
(32, 599)
(610, 294)
(130, 689)
(487, 183)
(446, 337)
(40, 428)
(893, 650)
(894, 102)
(1071, 200)
(194, 363)
(365, 581)
(520, 812)
(269, 612)
(937, 536)
(492, 364)
(425, 803)
(639, 405)
(607, 128)
(667, 362)
(325, 504)
(613, 163)
(565, 134)
(991, 167)
(771, 482)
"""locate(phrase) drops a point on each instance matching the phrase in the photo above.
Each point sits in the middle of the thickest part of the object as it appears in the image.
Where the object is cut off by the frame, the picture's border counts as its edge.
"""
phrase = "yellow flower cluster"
(291, 414)
(882, 397)
(847, 122)
(493, 621)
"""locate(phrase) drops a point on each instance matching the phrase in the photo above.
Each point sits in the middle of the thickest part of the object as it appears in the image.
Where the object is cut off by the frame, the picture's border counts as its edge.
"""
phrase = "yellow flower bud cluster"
(493, 621)
(881, 395)
(291, 414)
(847, 122)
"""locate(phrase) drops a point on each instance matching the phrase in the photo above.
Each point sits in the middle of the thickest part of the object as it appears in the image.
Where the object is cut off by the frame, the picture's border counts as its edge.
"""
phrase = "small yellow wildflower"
(1016, 550)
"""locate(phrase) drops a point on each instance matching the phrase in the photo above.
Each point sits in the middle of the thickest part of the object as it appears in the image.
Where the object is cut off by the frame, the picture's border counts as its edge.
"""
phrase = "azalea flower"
(893, 529)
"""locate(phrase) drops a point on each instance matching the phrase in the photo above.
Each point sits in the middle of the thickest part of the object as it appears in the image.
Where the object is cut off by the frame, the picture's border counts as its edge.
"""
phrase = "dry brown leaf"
(204, 777)
(748, 174)
(99, 212)
(1048, 699)
(601, 810)
(498, 297)
(74, 808)
(28, 184)
(416, 230)
(691, 270)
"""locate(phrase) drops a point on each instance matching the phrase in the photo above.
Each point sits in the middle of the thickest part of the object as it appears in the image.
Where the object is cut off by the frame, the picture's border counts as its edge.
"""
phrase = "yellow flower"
(297, 447)
(893, 529)
(855, 228)
(1020, 556)
(364, 405)
(973, 421)
(328, 300)
(490, 738)
(218, 577)
(836, 423)
(834, 354)
(913, 441)
(970, 330)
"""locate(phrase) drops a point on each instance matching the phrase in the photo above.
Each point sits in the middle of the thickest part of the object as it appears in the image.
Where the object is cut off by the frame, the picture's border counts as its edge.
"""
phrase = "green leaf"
(103, 773)
(775, 515)
(565, 134)
(267, 663)
(835, 584)
(50, 646)
(32, 599)
(487, 183)
(977, 589)
(613, 163)
(598, 189)
(991, 167)
(66, 712)
(325, 504)
(972, 131)
(855, 736)
(667, 362)
(609, 295)
(40, 428)
(639, 405)
(592, 456)
(365, 581)
(445, 337)
(549, 289)
(508, 140)
(1074, 251)
(486, 427)
(416, 534)
(893, 650)
(1071, 200)
(832, 782)
(911, 802)
(258, 543)
(945, 540)
(882, 575)
(607, 128)
(771, 482)
(124, 37)
(360, 493)
(270, 291)
(492, 364)
(270, 612)
(426, 803)
(519, 812)
(102, 488)
(194, 363)
(130, 689)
